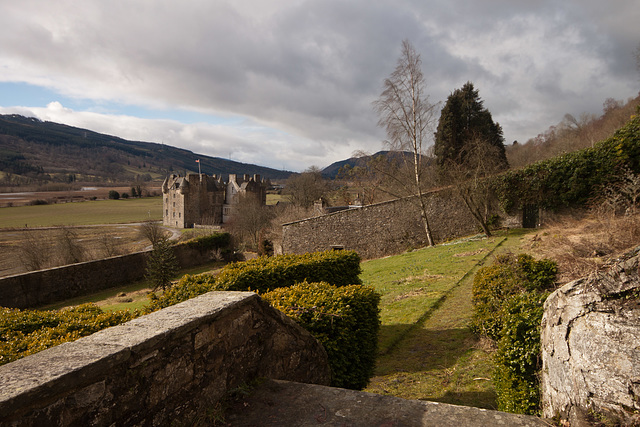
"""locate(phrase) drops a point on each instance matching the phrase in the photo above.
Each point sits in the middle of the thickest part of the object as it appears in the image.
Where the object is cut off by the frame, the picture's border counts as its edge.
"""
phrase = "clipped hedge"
(344, 319)
(24, 332)
(263, 274)
(508, 298)
(572, 179)
(517, 359)
(211, 242)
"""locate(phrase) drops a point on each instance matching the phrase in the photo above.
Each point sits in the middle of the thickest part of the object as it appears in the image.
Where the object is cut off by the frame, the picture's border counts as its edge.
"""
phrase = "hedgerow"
(508, 298)
(211, 242)
(345, 320)
(572, 179)
(263, 274)
(24, 332)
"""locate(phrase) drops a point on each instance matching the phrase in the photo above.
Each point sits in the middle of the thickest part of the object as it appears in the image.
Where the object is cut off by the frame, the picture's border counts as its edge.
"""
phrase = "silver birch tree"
(407, 116)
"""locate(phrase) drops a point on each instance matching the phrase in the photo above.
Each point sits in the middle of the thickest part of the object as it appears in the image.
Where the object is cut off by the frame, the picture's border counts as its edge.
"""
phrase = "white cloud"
(296, 78)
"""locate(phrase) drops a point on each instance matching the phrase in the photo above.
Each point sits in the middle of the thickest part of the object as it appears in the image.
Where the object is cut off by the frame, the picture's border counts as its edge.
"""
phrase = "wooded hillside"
(36, 152)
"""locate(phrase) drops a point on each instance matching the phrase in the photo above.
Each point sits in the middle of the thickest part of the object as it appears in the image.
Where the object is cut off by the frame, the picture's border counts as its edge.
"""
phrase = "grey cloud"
(310, 69)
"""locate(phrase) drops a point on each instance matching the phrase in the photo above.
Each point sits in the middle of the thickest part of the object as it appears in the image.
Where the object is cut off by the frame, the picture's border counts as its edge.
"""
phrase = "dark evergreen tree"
(463, 120)
(162, 265)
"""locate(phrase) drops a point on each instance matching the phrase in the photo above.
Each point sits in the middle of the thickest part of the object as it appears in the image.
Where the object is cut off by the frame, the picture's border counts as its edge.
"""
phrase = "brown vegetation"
(584, 242)
(32, 249)
(573, 134)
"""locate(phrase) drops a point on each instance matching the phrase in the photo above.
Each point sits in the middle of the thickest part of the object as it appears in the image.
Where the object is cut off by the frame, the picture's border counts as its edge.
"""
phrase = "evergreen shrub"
(24, 332)
(263, 274)
(508, 298)
(345, 320)
(210, 242)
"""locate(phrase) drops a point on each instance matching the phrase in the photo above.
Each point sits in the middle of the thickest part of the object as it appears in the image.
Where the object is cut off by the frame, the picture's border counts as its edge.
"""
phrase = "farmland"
(101, 227)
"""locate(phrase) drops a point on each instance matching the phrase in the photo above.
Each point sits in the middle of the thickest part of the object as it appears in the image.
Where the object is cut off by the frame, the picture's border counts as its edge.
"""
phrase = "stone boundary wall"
(37, 288)
(383, 228)
(169, 367)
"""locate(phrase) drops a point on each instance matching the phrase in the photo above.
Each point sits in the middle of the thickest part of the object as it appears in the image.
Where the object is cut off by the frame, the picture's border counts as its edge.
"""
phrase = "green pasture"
(83, 213)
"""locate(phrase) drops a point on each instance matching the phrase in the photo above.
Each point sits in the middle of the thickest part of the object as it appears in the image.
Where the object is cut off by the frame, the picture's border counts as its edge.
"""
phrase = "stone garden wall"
(383, 228)
(170, 367)
(37, 288)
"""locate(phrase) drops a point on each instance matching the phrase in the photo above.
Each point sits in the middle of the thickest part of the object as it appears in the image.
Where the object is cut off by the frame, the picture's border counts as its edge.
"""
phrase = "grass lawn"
(426, 349)
(83, 213)
(128, 297)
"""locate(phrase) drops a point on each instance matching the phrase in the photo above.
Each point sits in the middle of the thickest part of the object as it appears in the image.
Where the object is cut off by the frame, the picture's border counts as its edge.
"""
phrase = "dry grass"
(582, 243)
(20, 249)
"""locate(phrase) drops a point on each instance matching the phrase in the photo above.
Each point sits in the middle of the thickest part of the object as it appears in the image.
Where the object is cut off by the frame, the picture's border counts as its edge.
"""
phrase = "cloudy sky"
(289, 83)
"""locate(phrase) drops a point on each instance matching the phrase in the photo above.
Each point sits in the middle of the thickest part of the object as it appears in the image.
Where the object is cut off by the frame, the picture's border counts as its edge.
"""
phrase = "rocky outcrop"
(591, 347)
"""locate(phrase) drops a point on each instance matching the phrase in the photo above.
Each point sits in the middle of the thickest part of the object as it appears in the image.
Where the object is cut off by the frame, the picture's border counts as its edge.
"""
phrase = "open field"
(82, 213)
(101, 228)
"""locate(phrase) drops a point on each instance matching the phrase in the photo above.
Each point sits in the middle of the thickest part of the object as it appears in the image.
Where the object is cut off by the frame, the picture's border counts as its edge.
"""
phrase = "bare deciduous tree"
(68, 248)
(468, 177)
(153, 231)
(108, 245)
(407, 116)
(304, 189)
(250, 219)
(34, 250)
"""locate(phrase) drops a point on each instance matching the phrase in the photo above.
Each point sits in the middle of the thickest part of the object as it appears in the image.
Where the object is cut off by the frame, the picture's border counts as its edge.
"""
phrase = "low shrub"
(509, 275)
(345, 320)
(263, 274)
(508, 298)
(24, 332)
(517, 359)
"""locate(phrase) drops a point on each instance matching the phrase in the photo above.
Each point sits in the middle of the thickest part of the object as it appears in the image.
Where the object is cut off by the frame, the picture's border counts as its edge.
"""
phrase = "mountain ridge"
(32, 150)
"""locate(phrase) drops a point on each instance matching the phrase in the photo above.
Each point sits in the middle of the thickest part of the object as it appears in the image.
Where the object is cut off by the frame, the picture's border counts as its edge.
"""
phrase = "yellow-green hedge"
(24, 332)
(344, 319)
(508, 299)
(263, 274)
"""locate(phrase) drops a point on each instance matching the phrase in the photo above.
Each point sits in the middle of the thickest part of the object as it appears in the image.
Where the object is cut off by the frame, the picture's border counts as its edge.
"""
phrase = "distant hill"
(35, 151)
(333, 169)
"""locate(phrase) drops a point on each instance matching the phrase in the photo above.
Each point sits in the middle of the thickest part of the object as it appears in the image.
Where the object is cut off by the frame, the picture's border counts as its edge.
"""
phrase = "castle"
(207, 200)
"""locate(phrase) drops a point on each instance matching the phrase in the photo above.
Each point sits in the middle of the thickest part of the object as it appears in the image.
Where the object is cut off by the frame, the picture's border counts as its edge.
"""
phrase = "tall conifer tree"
(463, 120)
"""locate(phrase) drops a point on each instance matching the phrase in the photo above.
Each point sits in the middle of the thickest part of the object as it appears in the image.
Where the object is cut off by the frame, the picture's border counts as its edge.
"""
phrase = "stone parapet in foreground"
(171, 366)
(283, 403)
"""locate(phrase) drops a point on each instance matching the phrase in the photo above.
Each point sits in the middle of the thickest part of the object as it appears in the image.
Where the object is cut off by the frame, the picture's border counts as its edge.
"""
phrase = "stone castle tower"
(206, 200)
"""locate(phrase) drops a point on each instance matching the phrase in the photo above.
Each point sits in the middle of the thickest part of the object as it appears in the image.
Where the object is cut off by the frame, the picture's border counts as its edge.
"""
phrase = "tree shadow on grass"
(443, 365)
(423, 349)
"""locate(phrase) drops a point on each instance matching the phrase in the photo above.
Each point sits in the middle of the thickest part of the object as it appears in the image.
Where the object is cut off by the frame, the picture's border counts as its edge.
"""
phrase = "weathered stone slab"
(282, 403)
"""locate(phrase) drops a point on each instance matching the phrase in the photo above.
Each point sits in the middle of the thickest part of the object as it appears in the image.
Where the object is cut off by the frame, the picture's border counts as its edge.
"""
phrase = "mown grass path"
(426, 349)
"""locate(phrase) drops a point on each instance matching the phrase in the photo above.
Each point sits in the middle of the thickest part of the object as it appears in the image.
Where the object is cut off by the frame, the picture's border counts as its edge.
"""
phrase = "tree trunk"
(425, 220)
